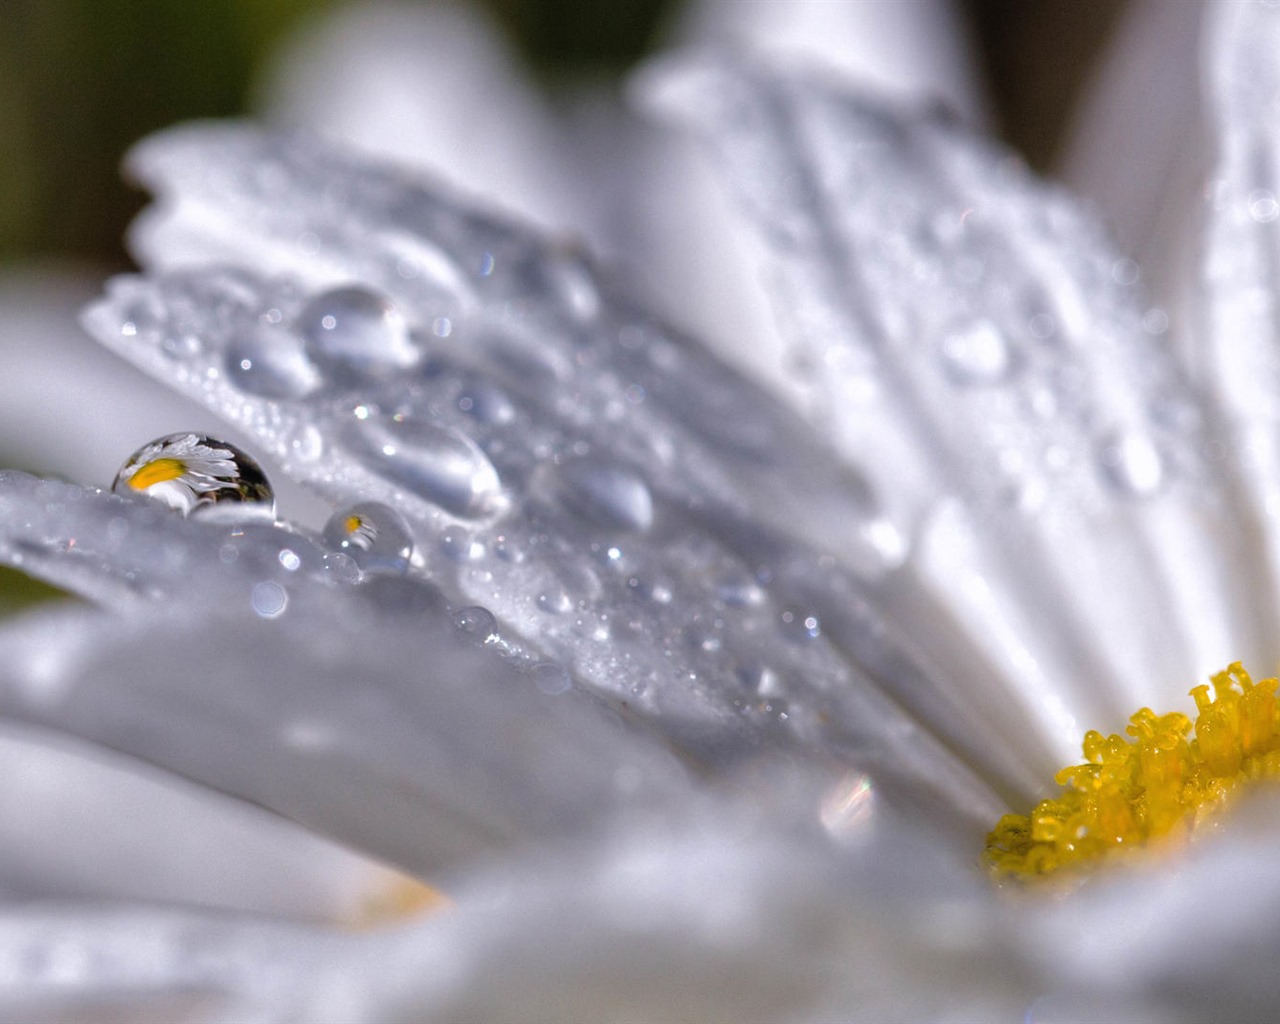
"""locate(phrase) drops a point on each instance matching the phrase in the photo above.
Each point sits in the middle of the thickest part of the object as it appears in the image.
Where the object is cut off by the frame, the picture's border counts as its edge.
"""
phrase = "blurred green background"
(80, 80)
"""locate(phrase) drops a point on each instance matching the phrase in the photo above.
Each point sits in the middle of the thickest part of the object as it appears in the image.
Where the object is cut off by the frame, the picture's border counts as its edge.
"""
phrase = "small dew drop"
(1155, 321)
(977, 355)
(355, 330)
(551, 679)
(269, 599)
(1263, 207)
(555, 602)
(1125, 271)
(1131, 464)
(478, 623)
(459, 546)
(290, 560)
(192, 473)
(487, 403)
(1042, 326)
(375, 536)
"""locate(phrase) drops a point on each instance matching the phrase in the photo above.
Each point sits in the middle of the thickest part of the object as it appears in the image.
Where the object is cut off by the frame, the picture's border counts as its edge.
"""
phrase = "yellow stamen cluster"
(1155, 786)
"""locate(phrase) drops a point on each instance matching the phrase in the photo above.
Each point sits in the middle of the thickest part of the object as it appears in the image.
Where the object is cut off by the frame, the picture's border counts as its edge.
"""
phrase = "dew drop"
(477, 622)
(459, 546)
(354, 329)
(1263, 206)
(1131, 464)
(487, 403)
(978, 354)
(271, 364)
(375, 536)
(800, 625)
(550, 678)
(438, 463)
(556, 602)
(608, 494)
(269, 599)
(192, 473)
(341, 567)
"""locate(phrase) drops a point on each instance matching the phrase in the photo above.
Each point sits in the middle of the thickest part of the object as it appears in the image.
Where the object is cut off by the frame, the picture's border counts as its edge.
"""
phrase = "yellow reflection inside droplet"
(157, 472)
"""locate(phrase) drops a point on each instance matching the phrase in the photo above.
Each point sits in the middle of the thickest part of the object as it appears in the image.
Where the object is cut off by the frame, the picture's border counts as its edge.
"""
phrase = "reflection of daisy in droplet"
(190, 472)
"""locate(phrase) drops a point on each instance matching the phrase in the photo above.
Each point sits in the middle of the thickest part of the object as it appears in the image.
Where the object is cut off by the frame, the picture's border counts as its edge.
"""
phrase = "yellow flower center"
(1154, 786)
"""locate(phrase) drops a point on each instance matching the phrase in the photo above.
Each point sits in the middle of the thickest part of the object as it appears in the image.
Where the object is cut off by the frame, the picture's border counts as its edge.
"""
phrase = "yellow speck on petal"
(398, 901)
(157, 471)
(1150, 788)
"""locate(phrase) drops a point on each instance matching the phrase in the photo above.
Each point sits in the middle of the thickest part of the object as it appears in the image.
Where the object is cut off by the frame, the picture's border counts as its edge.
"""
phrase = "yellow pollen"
(352, 523)
(157, 471)
(1153, 787)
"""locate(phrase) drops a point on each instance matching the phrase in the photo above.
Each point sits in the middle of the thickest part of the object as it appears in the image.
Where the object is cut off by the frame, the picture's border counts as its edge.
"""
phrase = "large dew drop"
(376, 537)
(356, 331)
(271, 363)
(192, 473)
(611, 495)
(438, 463)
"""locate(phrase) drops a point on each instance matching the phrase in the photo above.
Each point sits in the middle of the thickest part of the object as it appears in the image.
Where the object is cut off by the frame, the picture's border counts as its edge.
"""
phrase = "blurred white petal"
(431, 85)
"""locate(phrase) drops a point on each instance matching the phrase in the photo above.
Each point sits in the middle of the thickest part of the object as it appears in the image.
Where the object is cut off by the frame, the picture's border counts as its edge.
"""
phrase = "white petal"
(78, 822)
(401, 738)
(984, 362)
(574, 467)
(433, 86)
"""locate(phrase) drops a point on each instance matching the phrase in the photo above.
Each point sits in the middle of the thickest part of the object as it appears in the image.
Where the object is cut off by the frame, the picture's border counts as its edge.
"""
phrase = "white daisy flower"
(675, 706)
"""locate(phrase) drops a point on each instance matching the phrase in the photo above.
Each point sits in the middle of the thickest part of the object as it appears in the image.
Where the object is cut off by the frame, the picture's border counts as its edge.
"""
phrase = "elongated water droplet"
(609, 494)
(271, 363)
(355, 330)
(1131, 464)
(375, 535)
(438, 463)
(192, 473)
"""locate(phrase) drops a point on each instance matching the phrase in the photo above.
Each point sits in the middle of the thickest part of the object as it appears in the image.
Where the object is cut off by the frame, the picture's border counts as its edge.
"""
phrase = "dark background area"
(80, 80)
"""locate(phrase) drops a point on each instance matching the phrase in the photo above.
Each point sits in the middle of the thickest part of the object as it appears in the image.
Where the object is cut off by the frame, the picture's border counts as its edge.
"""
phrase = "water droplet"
(193, 473)
(477, 622)
(556, 602)
(487, 403)
(1132, 464)
(270, 363)
(341, 567)
(1155, 321)
(1125, 271)
(459, 546)
(977, 355)
(550, 678)
(356, 330)
(269, 599)
(800, 625)
(305, 443)
(1263, 206)
(438, 463)
(608, 494)
(375, 536)
(290, 560)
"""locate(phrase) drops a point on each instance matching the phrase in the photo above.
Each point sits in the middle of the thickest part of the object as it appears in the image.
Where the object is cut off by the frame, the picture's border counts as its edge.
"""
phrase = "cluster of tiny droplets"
(1153, 786)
